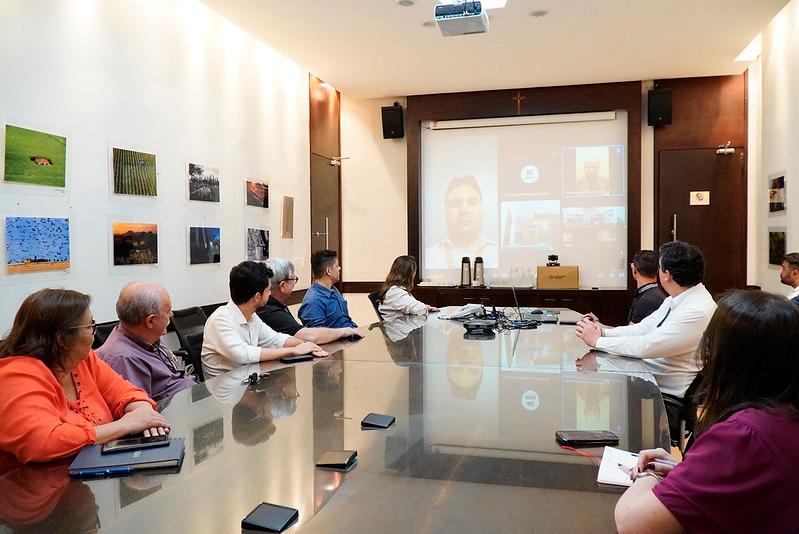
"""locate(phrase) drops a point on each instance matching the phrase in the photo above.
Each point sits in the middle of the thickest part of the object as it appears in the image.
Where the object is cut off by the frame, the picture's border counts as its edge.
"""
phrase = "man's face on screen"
(591, 167)
(464, 212)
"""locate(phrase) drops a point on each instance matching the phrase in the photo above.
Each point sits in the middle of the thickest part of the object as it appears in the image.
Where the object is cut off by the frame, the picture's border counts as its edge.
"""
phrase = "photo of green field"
(134, 173)
(36, 158)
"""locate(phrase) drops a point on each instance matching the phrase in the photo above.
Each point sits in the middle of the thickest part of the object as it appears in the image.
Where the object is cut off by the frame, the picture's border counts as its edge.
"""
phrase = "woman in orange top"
(56, 395)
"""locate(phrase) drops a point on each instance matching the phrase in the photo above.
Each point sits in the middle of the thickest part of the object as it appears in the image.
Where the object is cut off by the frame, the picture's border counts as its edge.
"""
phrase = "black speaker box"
(393, 124)
(659, 107)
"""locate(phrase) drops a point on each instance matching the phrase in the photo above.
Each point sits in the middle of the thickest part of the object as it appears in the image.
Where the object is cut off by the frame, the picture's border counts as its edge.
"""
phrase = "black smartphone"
(586, 438)
(127, 444)
(295, 359)
(267, 517)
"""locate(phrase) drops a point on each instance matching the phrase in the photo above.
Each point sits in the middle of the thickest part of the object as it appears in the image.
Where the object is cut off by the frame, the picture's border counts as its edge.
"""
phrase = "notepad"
(90, 462)
(609, 470)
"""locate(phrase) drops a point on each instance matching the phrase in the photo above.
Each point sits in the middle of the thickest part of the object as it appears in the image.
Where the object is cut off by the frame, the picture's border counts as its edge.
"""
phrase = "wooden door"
(719, 228)
(325, 141)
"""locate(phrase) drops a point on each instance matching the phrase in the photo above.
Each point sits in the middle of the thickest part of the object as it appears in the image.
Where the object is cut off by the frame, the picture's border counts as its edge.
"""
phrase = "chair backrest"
(374, 298)
(102, 333)
(194, 347)
(188, 321)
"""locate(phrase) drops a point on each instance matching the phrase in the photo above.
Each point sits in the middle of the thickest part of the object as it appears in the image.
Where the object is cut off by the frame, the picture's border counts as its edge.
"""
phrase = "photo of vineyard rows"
(134, 173)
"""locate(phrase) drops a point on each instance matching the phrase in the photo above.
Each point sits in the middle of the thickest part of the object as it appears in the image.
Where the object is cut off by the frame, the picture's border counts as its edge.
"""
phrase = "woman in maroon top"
(740, 474)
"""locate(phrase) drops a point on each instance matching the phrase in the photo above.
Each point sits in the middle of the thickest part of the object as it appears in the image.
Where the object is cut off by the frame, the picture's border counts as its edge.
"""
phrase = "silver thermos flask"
(479, 273)
(466, 272)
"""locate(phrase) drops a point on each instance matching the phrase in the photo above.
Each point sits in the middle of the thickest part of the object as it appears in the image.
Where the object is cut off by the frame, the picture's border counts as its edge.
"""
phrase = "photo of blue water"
(36, 239)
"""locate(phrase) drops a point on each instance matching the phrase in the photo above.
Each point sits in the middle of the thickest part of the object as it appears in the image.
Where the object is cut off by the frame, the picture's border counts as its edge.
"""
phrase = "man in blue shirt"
(323, 305)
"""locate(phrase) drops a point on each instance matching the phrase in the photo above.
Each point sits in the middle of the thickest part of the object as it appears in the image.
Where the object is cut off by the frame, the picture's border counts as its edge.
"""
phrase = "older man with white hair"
(134, 349)
(277, 316)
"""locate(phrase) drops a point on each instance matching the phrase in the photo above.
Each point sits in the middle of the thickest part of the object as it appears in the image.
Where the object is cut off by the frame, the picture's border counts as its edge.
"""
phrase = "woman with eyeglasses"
(56, 396)
(395, 295)
(740, 474)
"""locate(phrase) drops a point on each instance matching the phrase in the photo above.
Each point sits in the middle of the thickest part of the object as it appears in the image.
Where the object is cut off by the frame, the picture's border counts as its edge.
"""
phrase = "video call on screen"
(516, 194)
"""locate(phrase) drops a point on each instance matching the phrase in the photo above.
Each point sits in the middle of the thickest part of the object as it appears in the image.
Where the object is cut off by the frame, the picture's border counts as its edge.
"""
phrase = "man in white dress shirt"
(668, 338)
(789, 275)
(234, 335)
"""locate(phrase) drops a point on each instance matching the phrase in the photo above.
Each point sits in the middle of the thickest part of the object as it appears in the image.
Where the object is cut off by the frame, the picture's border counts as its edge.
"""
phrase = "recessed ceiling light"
(538, 13)
(429, 23)
(405, 3)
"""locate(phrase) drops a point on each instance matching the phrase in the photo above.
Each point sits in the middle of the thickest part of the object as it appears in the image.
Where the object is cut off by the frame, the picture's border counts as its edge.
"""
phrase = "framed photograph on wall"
(35, 244)
(205, 245)
(257, 193)
(35, 158)
(776, 244)
(203, 183)
(777, 201)
(135, 243)
(134, 173)
(257, 244)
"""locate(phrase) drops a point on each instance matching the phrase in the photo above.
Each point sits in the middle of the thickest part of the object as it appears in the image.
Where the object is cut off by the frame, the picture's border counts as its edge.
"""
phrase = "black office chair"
(681, 413)
(188, 325)
(374, 297)
(102, 333)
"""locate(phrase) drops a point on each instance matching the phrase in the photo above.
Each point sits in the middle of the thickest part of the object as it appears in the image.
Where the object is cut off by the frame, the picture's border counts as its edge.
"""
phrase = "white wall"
(780, 131)
(168, 77)
(374, 201)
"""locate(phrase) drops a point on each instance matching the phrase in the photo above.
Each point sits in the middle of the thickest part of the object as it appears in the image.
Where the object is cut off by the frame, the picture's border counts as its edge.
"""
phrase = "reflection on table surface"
(472, 450)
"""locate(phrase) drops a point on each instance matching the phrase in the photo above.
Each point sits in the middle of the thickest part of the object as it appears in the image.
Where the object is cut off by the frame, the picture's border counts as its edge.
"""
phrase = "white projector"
(461, 19)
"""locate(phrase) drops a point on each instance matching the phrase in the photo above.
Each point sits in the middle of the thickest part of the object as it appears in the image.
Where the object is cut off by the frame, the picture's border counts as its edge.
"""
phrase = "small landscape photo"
(35, 244)
(257, 244)
(204, 245)
(776, 245)
(257, 194)
(135, 243)
(203, 183)
(36, 158)
(134, 173)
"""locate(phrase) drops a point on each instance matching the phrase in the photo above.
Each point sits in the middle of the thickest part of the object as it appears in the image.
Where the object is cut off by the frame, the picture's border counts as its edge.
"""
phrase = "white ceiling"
(376, 48)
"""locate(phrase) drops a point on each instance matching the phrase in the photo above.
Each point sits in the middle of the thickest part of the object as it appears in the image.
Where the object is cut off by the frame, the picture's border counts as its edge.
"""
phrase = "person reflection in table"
(269, 399)
(463, 208)
(464, 366)
(42, 498)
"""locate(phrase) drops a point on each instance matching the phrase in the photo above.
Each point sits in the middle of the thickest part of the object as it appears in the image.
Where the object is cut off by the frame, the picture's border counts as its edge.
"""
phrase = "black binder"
(90, 462)
(376, 420)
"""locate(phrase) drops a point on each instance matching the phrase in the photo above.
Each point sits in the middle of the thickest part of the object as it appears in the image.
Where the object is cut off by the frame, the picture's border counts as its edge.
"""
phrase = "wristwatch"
(652, 474)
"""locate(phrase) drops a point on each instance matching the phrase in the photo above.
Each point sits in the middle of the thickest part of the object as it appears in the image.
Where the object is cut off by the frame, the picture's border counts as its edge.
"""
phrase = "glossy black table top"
(472, 449)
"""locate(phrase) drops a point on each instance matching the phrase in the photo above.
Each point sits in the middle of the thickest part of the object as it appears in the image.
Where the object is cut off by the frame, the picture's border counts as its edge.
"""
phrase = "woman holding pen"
(740, 474)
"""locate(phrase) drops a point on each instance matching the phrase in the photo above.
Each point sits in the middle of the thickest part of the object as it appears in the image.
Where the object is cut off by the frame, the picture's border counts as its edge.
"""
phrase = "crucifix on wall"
(518, 99)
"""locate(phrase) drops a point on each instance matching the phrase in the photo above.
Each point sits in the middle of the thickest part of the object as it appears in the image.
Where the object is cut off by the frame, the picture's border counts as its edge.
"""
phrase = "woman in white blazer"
(395, 295)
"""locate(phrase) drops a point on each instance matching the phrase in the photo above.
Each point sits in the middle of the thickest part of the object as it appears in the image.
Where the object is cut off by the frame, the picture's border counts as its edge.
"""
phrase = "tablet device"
(377, 420)
(127, 444)
(267, 517)
(338, 460)
(295, 359)
(586, 438)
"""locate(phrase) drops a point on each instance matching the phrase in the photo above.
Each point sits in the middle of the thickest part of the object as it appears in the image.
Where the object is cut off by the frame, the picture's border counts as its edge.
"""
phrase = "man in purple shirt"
(134, 348)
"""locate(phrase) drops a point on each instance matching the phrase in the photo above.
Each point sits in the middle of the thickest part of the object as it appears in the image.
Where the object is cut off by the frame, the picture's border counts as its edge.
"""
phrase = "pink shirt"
(740, 476)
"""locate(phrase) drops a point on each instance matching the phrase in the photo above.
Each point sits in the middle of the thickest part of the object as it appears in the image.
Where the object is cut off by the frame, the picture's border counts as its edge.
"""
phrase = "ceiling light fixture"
(538, 13)
(429, 24)
(405, 3)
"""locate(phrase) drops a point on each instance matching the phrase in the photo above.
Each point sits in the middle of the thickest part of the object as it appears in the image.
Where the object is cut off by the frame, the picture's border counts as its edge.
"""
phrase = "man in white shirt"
(234, 335)
(789, 275)
(668, 338)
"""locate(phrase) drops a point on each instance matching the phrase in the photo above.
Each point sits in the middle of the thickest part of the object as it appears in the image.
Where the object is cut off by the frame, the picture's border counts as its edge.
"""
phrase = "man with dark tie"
(668, 338)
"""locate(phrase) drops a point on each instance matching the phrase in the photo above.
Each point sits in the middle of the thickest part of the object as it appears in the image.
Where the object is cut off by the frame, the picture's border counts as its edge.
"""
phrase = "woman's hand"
(646, 461)
(307, 347)
(146, 420)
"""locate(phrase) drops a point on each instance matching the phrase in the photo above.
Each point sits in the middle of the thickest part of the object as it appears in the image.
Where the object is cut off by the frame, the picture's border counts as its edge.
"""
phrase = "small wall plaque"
(700, 198)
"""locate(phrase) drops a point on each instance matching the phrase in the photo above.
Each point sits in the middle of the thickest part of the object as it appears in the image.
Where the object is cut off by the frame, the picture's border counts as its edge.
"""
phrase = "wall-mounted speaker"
(659, 107)
(393, 123)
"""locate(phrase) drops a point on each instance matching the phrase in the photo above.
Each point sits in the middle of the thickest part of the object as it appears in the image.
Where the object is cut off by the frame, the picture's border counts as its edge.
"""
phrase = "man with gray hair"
(134, 350)
(277, 316)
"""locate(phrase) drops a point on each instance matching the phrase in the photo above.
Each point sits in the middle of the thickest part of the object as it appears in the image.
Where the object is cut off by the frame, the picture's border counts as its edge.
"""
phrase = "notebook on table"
(90, 462)
(609, 470)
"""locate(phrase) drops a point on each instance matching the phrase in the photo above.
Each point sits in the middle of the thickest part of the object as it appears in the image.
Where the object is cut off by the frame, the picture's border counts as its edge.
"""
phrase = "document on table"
(609, 470)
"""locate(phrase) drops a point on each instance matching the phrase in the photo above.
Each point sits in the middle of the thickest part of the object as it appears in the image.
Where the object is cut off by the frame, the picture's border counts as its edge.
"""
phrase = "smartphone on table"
(586, 438)
(127, 444)
(296, 358)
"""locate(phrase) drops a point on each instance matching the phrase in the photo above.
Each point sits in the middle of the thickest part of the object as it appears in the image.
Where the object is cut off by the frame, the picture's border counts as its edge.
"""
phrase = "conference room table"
(472, 449)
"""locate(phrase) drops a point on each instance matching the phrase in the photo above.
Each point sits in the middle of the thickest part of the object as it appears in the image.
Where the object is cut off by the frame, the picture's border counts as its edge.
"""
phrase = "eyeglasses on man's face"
(92, 325)
(294, 279)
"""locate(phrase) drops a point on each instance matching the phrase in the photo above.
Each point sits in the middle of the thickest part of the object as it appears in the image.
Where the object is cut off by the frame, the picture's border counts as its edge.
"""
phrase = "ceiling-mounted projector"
(461, 18)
